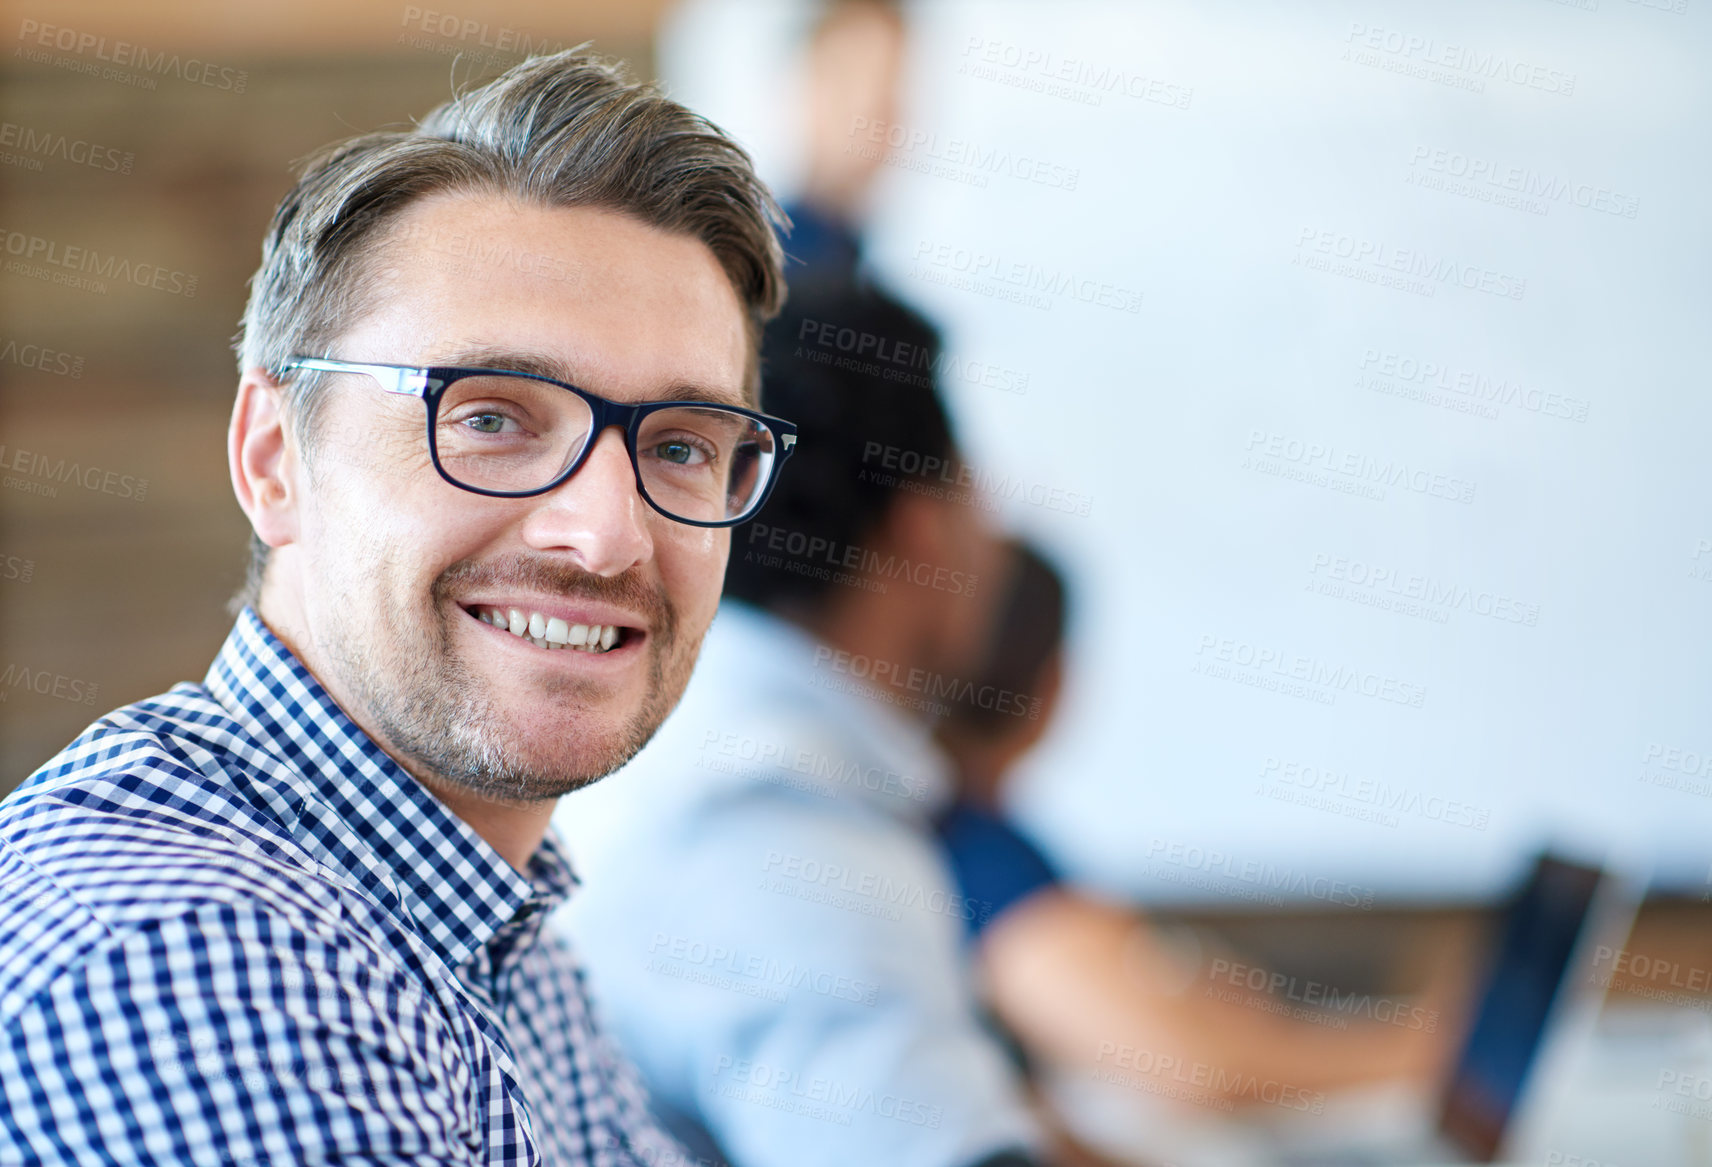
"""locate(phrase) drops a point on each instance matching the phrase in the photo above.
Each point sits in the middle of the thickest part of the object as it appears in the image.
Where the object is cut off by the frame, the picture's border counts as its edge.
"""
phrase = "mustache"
(554, 577)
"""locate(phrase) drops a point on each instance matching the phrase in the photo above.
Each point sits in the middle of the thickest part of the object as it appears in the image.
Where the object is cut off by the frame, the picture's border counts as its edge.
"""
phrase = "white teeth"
(550, 631)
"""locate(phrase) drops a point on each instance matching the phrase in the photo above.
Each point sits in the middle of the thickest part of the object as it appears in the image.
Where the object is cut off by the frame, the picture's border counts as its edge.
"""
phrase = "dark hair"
(854, 369)
(1027, 630)
(566, 130)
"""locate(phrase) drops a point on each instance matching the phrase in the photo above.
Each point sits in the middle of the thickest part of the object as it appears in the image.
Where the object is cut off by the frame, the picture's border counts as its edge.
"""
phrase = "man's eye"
(680, 453)
(486, 423)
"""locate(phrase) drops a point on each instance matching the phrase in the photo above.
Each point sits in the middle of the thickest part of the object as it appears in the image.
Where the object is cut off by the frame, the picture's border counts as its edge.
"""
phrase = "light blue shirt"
(768, 921)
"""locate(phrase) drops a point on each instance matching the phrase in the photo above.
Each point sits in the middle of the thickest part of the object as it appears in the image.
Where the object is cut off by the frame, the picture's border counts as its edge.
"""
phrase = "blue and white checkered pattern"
(233, 931)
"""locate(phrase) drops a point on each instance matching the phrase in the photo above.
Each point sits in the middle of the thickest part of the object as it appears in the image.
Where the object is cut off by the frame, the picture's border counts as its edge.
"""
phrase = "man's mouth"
(552, 632)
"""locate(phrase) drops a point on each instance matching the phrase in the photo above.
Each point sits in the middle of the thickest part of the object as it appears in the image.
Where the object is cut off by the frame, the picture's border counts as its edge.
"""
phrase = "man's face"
(396, 574)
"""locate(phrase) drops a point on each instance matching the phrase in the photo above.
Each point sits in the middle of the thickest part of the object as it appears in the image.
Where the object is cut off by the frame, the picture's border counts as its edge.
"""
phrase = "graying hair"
(566, 130)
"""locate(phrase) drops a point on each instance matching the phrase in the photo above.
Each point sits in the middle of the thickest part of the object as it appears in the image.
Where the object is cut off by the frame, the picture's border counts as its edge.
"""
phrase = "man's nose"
(597, 514)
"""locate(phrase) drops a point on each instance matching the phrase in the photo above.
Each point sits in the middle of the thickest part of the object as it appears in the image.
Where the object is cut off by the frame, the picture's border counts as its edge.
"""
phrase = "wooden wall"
(107, 597)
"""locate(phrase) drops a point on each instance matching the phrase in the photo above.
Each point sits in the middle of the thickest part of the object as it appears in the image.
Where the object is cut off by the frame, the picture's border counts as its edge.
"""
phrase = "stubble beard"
(452, 727)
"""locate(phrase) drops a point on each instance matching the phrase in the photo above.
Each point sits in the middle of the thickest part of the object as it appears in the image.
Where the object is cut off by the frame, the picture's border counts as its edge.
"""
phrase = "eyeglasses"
(512, 435)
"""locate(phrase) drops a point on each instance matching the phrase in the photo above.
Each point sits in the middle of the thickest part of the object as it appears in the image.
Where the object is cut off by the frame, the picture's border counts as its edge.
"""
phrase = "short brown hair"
(564, 130)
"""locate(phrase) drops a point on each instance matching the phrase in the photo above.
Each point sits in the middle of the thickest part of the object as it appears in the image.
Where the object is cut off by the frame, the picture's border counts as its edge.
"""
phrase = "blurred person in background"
(860, 1041)
(1069, 975)
(493, 424)
(780, 944)
(851, 1035)
(1065, 971)
(773, 913)
(852, 69)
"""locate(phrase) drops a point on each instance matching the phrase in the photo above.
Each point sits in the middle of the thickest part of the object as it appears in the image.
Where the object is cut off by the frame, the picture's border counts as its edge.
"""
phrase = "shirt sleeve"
(995, 866)
(226, 1035)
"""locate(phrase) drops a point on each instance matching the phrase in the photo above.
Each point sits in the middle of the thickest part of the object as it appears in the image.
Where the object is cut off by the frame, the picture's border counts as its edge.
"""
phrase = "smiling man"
(496, 415)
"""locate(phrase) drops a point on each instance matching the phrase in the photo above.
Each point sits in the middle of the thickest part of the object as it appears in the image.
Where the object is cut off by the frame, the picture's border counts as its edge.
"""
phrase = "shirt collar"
(356, 810)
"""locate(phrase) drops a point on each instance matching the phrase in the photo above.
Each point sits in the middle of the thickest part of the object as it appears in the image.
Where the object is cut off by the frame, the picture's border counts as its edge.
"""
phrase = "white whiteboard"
(1414, 413)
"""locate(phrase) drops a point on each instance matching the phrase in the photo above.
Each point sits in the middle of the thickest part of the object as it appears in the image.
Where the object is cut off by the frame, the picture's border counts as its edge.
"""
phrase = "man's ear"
(262, 455)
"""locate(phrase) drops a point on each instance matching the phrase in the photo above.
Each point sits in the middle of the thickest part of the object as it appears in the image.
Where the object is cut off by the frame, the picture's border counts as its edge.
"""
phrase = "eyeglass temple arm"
(393, 378)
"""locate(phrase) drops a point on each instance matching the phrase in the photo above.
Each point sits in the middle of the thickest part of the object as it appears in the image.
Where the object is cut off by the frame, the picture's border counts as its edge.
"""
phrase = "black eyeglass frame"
(430, 383)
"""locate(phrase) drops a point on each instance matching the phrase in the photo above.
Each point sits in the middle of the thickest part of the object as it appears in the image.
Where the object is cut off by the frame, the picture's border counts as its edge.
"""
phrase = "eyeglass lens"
(704, 464)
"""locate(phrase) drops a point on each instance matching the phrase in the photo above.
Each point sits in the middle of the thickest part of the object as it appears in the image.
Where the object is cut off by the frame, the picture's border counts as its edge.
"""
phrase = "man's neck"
(867, 626)
(514, 829)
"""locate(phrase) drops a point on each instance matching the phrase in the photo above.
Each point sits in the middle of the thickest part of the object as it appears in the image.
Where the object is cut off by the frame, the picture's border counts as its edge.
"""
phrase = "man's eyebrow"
(539, 365)
(685, 391)
(510, 360)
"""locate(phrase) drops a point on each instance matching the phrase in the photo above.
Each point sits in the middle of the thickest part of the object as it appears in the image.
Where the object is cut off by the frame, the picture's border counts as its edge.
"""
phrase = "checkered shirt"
(233, 931)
